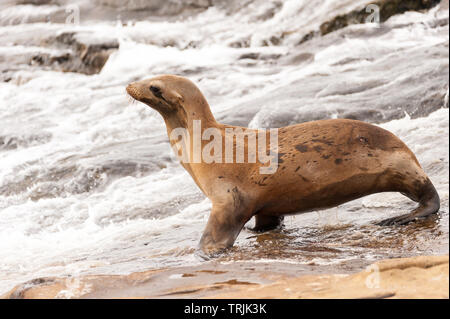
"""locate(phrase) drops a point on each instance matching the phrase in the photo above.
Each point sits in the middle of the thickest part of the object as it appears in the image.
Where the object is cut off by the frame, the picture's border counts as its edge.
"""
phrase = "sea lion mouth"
(133, 92)
(158, 103)
(155, 105)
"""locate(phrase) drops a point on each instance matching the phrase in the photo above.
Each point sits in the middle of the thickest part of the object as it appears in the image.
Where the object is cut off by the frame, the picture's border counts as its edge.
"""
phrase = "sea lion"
(321, 164)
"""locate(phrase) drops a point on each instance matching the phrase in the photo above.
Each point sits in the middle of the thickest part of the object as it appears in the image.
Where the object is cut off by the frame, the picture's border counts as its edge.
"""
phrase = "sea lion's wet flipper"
(266, 222)
(224, 225)
(429, 204)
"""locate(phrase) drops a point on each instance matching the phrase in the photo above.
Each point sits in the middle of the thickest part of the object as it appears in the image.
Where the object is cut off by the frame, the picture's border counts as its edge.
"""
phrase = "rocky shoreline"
(415, 277)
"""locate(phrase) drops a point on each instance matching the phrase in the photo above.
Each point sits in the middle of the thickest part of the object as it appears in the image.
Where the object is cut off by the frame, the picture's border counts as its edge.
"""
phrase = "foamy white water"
(87, 181)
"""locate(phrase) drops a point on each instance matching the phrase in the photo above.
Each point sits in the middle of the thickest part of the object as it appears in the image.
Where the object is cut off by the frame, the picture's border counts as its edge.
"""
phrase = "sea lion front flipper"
(224, 225)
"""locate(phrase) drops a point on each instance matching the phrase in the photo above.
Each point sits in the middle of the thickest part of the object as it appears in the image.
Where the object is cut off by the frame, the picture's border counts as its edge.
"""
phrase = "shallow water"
(87, 180)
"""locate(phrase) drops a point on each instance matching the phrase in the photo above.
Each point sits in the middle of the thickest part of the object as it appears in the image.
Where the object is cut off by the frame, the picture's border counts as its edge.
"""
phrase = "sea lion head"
(168, 94)
(160, 93)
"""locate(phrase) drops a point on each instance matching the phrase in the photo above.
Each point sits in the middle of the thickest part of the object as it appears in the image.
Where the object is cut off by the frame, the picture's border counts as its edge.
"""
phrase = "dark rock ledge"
(388, 8)
(81, 52)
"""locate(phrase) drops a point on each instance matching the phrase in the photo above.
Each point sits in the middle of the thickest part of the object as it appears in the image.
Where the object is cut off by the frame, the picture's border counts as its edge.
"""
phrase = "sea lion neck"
(186, 115)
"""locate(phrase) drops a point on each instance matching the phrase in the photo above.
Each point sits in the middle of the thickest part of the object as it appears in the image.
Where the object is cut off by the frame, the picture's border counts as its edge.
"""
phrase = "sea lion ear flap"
(177, 95)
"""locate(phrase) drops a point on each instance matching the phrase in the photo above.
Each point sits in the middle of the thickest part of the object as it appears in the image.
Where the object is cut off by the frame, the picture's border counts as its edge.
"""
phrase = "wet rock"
(12, 142)
(60, 180)
(32, 284)
(364, 114)
(32, 12)
(35, 2)
(242, 43)
(273, 40)
(153, 4)
(258, 56)
(414, 277)
(387, 8)
(340, 88)
(7, 143)
(446, 99)
(251, 55)
(383, 279)
(308, 36)
(301, 58)
(270, 12)
(187, 71)
(87, 53)
(385, 88)
(156, 7)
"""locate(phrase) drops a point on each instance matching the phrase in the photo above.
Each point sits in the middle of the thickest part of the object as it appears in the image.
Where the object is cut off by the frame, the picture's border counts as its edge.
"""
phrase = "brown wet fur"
(321, 164)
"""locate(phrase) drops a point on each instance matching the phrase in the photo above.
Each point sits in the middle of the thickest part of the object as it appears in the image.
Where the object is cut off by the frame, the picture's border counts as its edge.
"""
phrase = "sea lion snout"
(133, 91)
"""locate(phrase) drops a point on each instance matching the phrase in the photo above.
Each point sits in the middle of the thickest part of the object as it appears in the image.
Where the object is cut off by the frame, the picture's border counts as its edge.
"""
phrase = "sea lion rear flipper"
(429, 203)
(265, 223)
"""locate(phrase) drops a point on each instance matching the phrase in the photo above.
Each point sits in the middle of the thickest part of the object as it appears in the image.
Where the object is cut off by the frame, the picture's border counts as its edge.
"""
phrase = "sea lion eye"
(155, 90)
